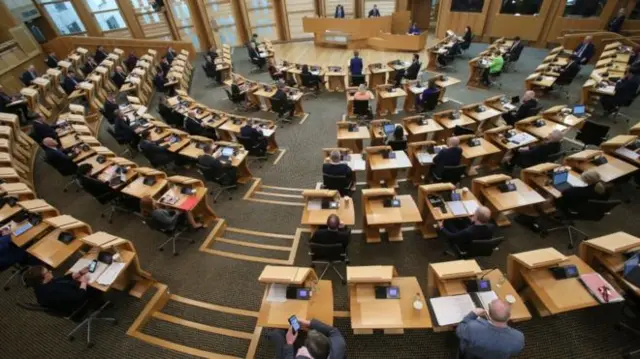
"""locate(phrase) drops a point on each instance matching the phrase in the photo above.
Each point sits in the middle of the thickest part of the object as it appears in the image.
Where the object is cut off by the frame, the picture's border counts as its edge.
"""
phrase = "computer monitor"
(560, 177)
(227, 151)
(389, 128)
(631, 263)
(579, 109)
(515, 99)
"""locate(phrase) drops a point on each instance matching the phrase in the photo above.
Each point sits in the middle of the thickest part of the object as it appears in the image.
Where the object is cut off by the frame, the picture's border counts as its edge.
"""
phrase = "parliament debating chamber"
(320, 179)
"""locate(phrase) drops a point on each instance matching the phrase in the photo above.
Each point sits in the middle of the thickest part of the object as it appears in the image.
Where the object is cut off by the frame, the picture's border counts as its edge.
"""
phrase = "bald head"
(50, 142)
(31, 68)
(528, 95)
(499, 311)
(588, 39)
(482, 215)
(333, 222)
(335, 156)
(453, 142)
(555, 136)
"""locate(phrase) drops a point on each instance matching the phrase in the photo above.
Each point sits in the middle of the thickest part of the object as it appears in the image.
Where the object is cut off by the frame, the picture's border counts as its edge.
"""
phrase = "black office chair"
(81, 314)
(495, 79)
(618, 107)
(211, 73)
(556, 157)
(362, 110)
(310, 84)
(398, 145)
(256, 60)
(104, 194)
(280, 107)
(236, 100)
(477, 248)
(167, 115)
(450, 174)
(66, 168)
(593, 211)
(565, 79)
(257, 150)
(511, 61)
(429, 104)
(461, 131)
(226, 178)
(129, 150)
(629, 314)
(592, 133)
(357, 80)
(159, 159)
(171, 224)
(534, 111)
(397, 80)
(329, 254)
(413, 74)
(341, 184)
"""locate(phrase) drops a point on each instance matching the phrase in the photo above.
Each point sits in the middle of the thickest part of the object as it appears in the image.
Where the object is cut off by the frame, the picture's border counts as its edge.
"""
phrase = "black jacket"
(60, 161)
(324, 235)
(575, 198)
(413, 70)
(587, 54)
(108, 110)
(339, 14)
(446, 157)
(42, 130)
(374, 13)
(69, 85)
(615, 25)
(88, 68)
(525, 109)
(123, 131)
(340, 169)
(4, 101)
(27, 77)
(158, 82)
(250, 132)
(131, 62)
(473, 232)
(281, 96)
(61, 294)
(119, 79)
(626, 90)
(100, 56)
(156, 153)
(538, 154)
(52, 62)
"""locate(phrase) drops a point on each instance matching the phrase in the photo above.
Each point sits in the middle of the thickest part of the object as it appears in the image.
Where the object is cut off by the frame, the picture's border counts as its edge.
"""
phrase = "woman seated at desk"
(575, 198)
(397, 140)
(313, 80)
(413, 30)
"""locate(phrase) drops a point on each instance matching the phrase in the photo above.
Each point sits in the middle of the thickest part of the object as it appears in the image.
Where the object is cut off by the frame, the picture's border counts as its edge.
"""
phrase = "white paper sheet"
(623, 151)
(424, 158)
(111, 273)
(452, 309)
(83, 263)
(575, 181)
(486, 298)
(314, 205)
(457, 208)
(266, 132)
(471, 206)
(277, 293)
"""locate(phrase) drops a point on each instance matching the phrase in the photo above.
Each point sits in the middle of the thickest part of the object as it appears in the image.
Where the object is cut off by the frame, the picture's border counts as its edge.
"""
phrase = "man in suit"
(538, 153)
(19, 109)
(529, 102)
(100, 55)
(29, 75)
(626, 90)
(42, 130)
(461, 231)
(584, 52)
(62, 294)
(374, 12)
(355, 64)
(254, 41)
(336, 168)
(89, 66)
(159, 154)
(58, 158)
(159, 81)
(449, 156)
(123, 130)
(51, 60)
(109, 108)
(254, 55)
(250, 130)
(339, 13)
(414, 69)
(322, 341)
(514, 50)
(281, 96)
(615, 25)
(165, 66)
(210, 69)
(70, 82)
(10, 254)
(171, 54)
(119, 77)
(212, 53)
(131, 61)
(334, 232)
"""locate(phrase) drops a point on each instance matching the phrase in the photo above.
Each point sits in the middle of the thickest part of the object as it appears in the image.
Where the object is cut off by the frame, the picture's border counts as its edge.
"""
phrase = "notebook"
(596, 285)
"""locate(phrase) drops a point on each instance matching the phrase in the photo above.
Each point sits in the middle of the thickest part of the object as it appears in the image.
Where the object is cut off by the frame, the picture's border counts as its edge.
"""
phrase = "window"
(64, 16)
(108, 16)
(220, 15)
(101, 5)
(521, 7)
(386, 7)
(330, 7)
(584, 8)
(154, 24)
(296, 10)
(467, 5)
(182, 17)
(262, 18)
(110, 20)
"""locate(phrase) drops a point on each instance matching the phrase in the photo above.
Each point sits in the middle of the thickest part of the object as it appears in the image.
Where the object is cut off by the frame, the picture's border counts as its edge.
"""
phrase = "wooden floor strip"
(245, 257)
(255, 185)
(260, 234)
(180, 348)
(285, 188)
(341, 313)
(236, 242)
(282, 203)
(282, 152)
(148, 310)
(199, 326)
(279, 194)
(253, 346)
(214, 232)
(294, 246)
(214, 307)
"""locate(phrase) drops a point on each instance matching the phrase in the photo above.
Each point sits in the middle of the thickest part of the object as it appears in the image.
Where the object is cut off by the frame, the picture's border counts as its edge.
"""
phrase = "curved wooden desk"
(386, 41)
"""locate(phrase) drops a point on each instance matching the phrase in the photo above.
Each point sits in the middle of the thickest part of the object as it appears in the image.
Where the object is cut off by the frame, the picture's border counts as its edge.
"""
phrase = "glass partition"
(467, 5)
(584, 8)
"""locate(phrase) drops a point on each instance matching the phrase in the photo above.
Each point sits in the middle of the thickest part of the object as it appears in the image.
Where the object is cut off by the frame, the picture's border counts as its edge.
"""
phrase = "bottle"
(417, 302)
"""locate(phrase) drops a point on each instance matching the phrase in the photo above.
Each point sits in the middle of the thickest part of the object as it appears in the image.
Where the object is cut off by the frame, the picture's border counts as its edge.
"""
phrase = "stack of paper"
(471, 206)
(111, 273)
(485, 298)
(84, 263)
(457, 208)
(424, 158)
(314, 204)
(277, 293)
(625, 152)
(452, 309)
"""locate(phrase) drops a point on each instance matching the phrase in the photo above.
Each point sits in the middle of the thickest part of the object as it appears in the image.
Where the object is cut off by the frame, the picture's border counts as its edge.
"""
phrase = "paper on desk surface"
(111, 273)
(521, 138)
(452, 309)
(623, 151)
(576, 181)
(266, 132)
(357, 164)
(424, 158)
(486, 298)
(457, 208)
(471, 206)
(277, 293)
(83, 263)
(314, 204)
(508, 106)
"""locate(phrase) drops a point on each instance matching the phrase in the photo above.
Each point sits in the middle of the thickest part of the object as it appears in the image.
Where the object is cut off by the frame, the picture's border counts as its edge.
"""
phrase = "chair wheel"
(161, 249)
(90, 345)
(71, 338)
(176, 254)
(6, 288)
(115, 322)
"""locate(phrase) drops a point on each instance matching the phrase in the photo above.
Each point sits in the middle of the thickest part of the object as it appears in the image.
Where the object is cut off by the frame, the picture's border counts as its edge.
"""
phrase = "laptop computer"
(579, 110)
(227, 153)
(560, 180)
(515, 99)
(389, 128)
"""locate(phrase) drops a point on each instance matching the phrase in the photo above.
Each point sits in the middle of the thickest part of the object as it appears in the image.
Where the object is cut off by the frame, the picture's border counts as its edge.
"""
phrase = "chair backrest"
(361, 107)
(98, 189)
(118, 139)
(595, 210)
(534, 111)
(555, 157)
(398, 145)
(63, 164)
(483, 247)
(163, 220)
(453, 174)
(431, 101)
(308, 80)
(157, 156)
(194, 128)
(338, 183)
(278, 106)
(327, 252)
(222, 175)
(568, 75)
(461, 131)
(592, 133)
(357, 80)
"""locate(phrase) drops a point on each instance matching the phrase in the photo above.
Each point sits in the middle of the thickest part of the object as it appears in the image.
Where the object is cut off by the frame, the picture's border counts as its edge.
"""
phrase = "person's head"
(305, 68)
(482, 215)
(255, 36)
(317, 344)
(592, 178)
(375, 6)
(333, 222)
(588, 40)
(453, 141)
(334, 156)
(170, 49)
(118, 113)
(281, 85)
(52, 53)
(528, 95)
(250, 122)
(497, 53)
(71, 74)
(517, 38)
(208, 148)
(208, 58)
(50, 142)
(467, 28)
(84, 169)
(100, 48)
(555, 136)
(119, 69)
(31, 68)
(132, 53)
(416, 57)
(499, 312)
(362, 88)
(398, 133)
(622, 11)
(37, 275)
(356, 54)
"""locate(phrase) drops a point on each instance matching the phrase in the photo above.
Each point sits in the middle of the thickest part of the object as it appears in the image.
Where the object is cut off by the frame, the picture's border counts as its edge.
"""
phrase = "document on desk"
(424, 158)
(111, 273)
(357, 163)
(267, 132)
(484, 298)
(314, 205)
(452, 309)
(508, 106)
(575, 181)
(627, 153)
(471, 206)
(84, 263)
(457, 208)
(521, 138)
(609, 90)
(277, 293)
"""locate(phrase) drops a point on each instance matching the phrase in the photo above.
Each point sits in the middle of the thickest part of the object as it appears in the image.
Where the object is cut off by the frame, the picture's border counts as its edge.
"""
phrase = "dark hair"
(305, 68)
(207, 148)
(468, 28)
(517, 38)
(255, 35)
(416, 56)
(398, 133)
(333, 221)
(33, 276)
(356, 53)
(84, 169)
(317, 344)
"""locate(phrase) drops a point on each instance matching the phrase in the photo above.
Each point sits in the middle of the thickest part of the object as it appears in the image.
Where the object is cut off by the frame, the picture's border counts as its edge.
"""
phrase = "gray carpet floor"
(196, 275)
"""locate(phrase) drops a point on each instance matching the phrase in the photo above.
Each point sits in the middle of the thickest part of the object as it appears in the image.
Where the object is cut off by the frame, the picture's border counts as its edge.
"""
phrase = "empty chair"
(330, 255)
(342, 184)
(66, 167)
(257, 150)
(477, 248)
(362, 110)
(236, 100)
(159, 157)
(312, 82)
(225, 177)
(450, 174)
(566, 78)
(280, 108)
(592, 133)
(103, 193)
(170, 223)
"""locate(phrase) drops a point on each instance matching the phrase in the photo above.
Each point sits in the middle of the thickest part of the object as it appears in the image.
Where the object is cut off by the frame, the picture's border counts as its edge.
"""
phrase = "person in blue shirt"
(413, 30)
(10, 254)
(339, 12)
(431, 90)
(356, 65)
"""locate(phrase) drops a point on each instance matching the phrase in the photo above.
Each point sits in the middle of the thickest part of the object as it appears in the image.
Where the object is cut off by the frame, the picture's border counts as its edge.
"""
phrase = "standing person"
(615, 25)
(100, 54)
(322, 342)
(355, 64)
(131, 61)
(413, 29)
(374, 12)
(486, 335)
(339, 14)
(584, 51)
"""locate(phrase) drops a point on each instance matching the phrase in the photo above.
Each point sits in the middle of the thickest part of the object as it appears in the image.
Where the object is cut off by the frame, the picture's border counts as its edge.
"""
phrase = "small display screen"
(227, 151)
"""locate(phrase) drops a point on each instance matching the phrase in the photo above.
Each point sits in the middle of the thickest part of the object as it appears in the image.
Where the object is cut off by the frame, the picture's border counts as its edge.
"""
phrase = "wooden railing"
(572, 40)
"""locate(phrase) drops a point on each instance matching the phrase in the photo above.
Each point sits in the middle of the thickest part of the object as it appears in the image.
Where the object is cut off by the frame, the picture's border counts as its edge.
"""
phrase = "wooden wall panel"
(457, 21)
(561, 23)
(421, 13)
(400, 22)
(528, 27)
(349, 7)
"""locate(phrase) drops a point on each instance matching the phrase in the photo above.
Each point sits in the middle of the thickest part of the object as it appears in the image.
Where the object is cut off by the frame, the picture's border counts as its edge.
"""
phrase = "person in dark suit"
(413, 29)
(254, 55)
(312, 79)
(89, 66)
(280, 95)
(355, 64)
(529, 102)
(468, 35)
(250, 130)
(29, 75)
(208, 160)
(51, 60)
(58, 158)
(615, 25)
(414, 69)
(374, 12)
(322, 341)
(158, 153)
(429, 91)
(538, 153)
(159, 81)
(119, 77)
(584, 52)
(515, 49)
(100, 54)
(461, 231)
(62, 294)
(165, 66)
(449, 156)
(212, 53)
(10, 254)
(339, 13)
(41, 130)
(210, 69)
(626, 90)
(19, 109)
(123, 130)
(336, 168)
(109, 108)
(574, 199)
(70, 82)
(334, 232)
(171, 54)
(254, 41)
(131, 61)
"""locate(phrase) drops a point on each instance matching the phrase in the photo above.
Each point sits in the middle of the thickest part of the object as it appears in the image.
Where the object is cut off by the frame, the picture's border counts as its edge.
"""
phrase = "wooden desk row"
(612, 64)
(547, 73)
(479, 64)
(441, 47)
(259, 94)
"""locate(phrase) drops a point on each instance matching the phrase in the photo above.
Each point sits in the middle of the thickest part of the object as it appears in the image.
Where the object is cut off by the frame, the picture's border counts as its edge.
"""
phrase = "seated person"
(131, 61)
(626, 89)
(210, 69)
(537, 153)
(123, 130)
(57, 157)
(165, 66)
(119, 76)
(218, 167)
(429, 91)
(413, 30)
(109, 108)
(584, 52)
(51, 60)
(159, 81)
(461, 231)
(19, 109)
(100, 54)
(447, 157)
(467, 36)
(10, 254)
(251, 130)
(515, 49)
(70, 82)
(89, 66)
(275, 74)
(171, 54)
(397, 140)
(312, 80)
(334, 232)
(495, 67)
(414, 69)
(63, 294)
(29, 75)
(157, 153)
(281, 96)
(355, 64)
(212, 53)
(322, 341)
(529, 102)
(336, 168)
(485, 334)
(41, 130)
(575, 198)
(255, 57)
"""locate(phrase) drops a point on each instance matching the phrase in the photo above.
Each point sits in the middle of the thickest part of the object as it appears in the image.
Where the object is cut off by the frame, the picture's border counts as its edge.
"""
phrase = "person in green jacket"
(495, 66)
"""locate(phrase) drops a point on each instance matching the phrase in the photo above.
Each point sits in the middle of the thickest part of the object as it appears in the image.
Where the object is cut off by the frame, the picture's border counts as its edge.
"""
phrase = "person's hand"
(525, 148)
(304, 323)
(290, 337)
(84, 270)
(479, 312)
